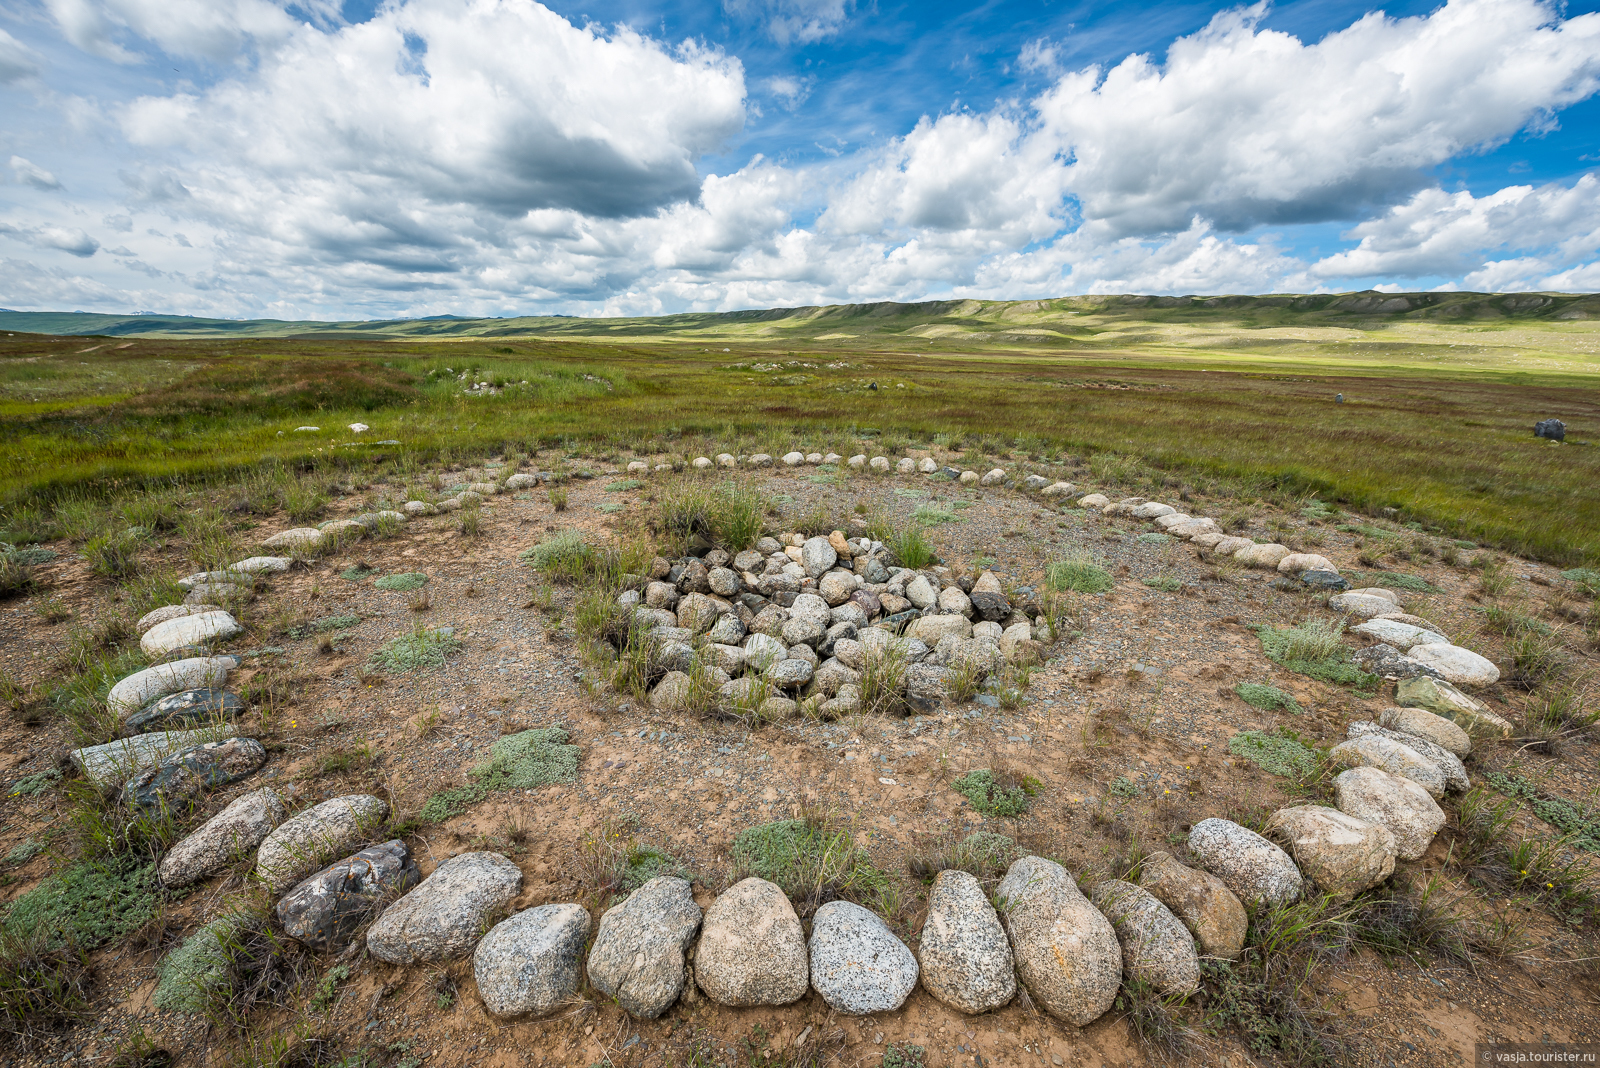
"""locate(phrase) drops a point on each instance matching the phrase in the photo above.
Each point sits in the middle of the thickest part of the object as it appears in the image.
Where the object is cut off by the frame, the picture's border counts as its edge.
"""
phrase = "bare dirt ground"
(1127, 728)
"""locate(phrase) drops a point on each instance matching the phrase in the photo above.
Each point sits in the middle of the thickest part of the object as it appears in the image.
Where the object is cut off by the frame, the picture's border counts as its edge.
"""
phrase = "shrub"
(522, 761)
(113, 554)
(16, 579)
(1266, 697)
(812, 862)
(1275, 753)
(1005, 796)
(1080, 574)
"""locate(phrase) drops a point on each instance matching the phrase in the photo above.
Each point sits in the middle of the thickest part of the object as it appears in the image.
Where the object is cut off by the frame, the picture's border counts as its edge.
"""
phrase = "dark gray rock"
(1324, 580)
(181, 778)
(326, 910)
(1552, 429)
(182, 709)
(1386, 661)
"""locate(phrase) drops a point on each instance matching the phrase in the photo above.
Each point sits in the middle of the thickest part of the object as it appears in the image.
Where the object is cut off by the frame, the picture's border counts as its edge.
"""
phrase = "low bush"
(423, 648)
(1266, 697)
(1277, 754)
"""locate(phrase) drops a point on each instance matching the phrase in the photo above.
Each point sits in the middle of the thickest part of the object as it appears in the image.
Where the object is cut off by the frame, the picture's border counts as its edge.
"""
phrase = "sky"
(345, 159)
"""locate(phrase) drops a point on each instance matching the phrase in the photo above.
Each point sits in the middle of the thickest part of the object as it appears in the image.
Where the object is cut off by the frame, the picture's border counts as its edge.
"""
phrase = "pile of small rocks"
(797, 620)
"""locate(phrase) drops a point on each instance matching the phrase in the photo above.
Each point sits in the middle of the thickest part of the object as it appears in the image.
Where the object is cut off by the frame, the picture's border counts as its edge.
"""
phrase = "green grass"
(323, 625)
(1390, 579)
(87, 905)
(812, 861)
(524, 761)
(1314, 649)
(1079, 574)
(626, 485)
(1266, 697)
(647, 862)
(996, 796)
(1581, 826)
(1275, 753)
(402, 583)
(416, 651)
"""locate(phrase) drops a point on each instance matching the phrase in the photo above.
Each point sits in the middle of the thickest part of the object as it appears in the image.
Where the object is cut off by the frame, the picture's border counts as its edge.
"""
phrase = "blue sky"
(249, 157)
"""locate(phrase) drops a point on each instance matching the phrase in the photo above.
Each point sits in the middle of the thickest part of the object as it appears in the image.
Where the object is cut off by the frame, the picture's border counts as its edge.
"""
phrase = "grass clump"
(625, 485)
(647, 862)
(908, 545)
(16, 577)
(403, 583)
(813, 862)
(323, 625)
(984, 854)
(42, 986)
(522, 761)
(88, 905)
(1266, 697)
(1005, 795)
(1080, 574)
(1395, 579)
(417, 650)
(727, 514)
(1277, 754)
(1314, 649)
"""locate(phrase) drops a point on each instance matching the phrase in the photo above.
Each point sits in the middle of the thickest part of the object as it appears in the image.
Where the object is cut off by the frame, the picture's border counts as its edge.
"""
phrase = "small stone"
(442, 918)
(1156, 947)
(1398, 803)
(1252, 867)
(794, 459)
(638, 953)
(857, 964)
(325, 910)
(233, 833)
(970, 478)
(314, 837)
(930, 629)
(789, 674)
(725, 459)
(178, 781)
(858, 461)
(837, 587)
(1203, 903)
(927, 685)
(530, 964)
(963, 955)
(172, 611)
(301, 538)
(1066, 951)
(752, 949)
(1460, 667)
(1151, 510)
(702, 463)
(927, 465)
(672, 692)
(906, 466)
(1056, 489)
(724, 582)
(989, 600)
(1342, 854)
(817, 555)
(953, 601)
(1094, 500)
(1388, 662)
(880, 463)
(921, 592)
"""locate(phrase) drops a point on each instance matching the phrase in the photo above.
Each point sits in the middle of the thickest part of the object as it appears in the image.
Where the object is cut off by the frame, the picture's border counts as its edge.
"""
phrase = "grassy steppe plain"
(1441, 391)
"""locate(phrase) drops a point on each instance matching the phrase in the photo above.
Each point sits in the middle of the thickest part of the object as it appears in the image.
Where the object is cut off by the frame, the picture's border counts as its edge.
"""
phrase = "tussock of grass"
(1314, 649)
(1004, 796)
(727, 514)
(1266, 697)
(1275, 753)
(812, 861)
(1391, 580)
(416, 651)
(1079, 574)
(43, 986)
(524, 761)
(984, 854)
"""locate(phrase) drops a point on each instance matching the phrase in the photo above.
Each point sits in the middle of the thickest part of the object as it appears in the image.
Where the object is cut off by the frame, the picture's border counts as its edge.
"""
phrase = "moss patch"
(195, 973)
(1582, 827)
(88, 905)
(523, 761)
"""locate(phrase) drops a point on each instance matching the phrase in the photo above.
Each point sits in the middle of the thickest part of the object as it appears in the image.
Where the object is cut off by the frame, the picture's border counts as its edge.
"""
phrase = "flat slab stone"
(200, 629)
(1402, 636)
(443, 917)
(115, 762)
(1460, 667)
(173, 611)
(326, 910)
(142, 687)
(186, 709)
(261, 565)
(858, 966)
(1442, 699)
(233, 833)
(178, 781)
(531, 964)
(1365, 605)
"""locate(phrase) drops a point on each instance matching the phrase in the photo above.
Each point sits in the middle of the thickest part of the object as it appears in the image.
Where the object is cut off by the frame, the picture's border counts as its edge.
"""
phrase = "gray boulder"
(1252, 867)
(1341, 854)
(184, 709)
(1552, 429)
(232, 833)
(1395, 802)
(325, 910)
(444, 916)
(638, 953)
(989, 601)
(963, 954)
(752, 949)
(1156, 947)
(112, 763)
(1066, 951)
(1449, 765)
(1201, 901)
(530, 965)
(1397, 758)
(1386, 661)
(307, 841)
(817, 555)
(857, 964)
(178, 781)
(1423, 724)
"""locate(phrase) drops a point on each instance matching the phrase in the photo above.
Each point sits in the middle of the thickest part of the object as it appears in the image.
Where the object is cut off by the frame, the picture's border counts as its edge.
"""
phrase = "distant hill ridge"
(884, 317)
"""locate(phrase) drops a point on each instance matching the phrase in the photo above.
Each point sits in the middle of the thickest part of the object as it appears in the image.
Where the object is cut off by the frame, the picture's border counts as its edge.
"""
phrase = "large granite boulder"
(1378, 751)
(1156, 947)
(233, 833)
(1460, 667)
(1066, 951)
(638, 957)
(1446, 734)
(442, 918)
(857, 964)
(531, 964)
(138, 689)
(963, 955)
(1395, 802)
(326, 910)
(752, 949)
(1449, 765)
(1201, 901)
(312, 838)
(1252, 867)
(1341, 854)
(1442, 699)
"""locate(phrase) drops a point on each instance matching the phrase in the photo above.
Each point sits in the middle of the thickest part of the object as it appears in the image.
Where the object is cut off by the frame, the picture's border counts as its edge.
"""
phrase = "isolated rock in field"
(1230, 545)
(1094, 500)
(1203, 903)
(1376, 751)
(203, 629)
(752, 949)
(144, 686)
(1295, 563)
(993, 478)
(442, 918)
(1249, 865)
(530, 965)
(930, 629)
(1066, 951)
(1388, 662)
(302, 538)
(186, 709)
(638, 953)
(112, 763)
(1342, 854)
(1401, 636)
(1365, 605)
(173, 611)
(1152, 510)
(1391, 801)
(672, 692)
(1156, 947)
(176, 782)
(963, 954)
(857, 964)
(522, 481)
(325, 910)
(311, 839)
(232, 833)
(1443, 699)
(1553, 429)
(989, 600)
(1460, 667)
(1422, 724)
(1262, 556)
(1449, 765)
